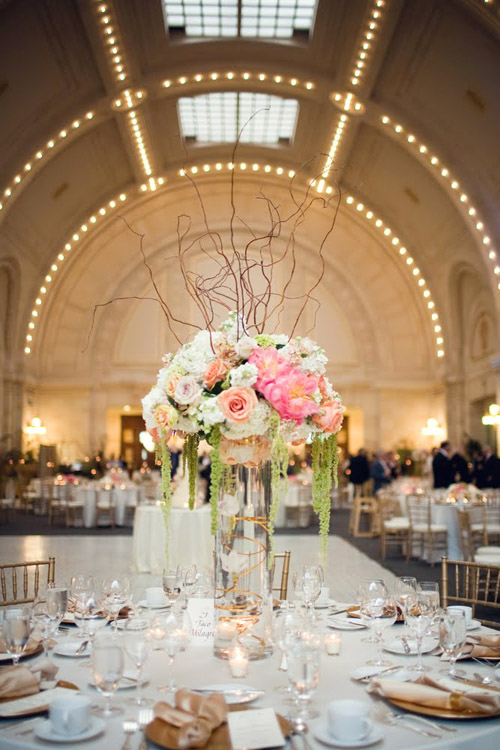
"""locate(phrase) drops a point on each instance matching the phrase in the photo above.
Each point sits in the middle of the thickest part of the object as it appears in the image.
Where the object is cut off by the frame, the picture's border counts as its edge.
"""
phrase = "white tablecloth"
(149, 540)
(190, 540)
(88, 497)
(197, 667)
(444, 514)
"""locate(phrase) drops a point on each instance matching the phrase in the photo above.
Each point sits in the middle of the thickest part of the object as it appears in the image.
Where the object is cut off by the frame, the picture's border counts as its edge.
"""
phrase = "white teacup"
(155, 596)
(70, 715)
(348, 720)
(466, 610)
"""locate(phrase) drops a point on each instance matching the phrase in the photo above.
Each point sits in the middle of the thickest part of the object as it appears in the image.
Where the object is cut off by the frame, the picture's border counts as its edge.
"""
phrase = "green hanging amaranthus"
(163, 454)
(324, 469)
(279, 462)
(191, 449)
(215, 477)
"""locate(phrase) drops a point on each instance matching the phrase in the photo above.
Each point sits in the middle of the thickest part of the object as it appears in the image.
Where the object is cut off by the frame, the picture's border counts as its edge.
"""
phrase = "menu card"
(201, 613)
(257, 728)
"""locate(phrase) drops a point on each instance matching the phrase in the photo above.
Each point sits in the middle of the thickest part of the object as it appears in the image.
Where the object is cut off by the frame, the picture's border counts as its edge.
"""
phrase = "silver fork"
(129, 727)
(386, 715)
(145, 717)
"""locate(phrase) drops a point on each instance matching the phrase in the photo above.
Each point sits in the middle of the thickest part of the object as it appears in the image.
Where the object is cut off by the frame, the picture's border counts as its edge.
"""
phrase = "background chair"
(105, 507)
(20, 582)
(394, 528)
(282, 588)
(476, 585)
(430, 536)
(364, 520)
(488, 554)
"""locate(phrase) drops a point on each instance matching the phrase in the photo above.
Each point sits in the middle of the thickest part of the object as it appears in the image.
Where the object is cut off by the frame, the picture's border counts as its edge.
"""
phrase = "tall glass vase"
(243, 597)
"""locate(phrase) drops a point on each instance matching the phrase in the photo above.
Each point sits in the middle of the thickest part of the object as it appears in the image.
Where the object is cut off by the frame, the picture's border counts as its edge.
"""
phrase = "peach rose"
(237, 403)
(172, 384)
(330, 416)
(215, 372)
(166, 416)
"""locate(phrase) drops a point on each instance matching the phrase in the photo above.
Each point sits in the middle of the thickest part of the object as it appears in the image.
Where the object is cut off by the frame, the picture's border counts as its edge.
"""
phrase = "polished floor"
(112, 555)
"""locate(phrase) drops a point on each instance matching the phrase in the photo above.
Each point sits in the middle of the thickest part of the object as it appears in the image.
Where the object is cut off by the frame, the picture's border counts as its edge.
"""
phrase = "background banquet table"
(197, 667)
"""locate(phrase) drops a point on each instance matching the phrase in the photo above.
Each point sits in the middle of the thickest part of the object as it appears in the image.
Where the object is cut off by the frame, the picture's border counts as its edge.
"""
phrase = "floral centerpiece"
(460, 491)
(247, 396)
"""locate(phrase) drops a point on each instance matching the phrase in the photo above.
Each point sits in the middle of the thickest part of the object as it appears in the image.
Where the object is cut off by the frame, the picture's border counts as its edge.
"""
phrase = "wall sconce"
(35, 427)
(493, 415)
(432, 428)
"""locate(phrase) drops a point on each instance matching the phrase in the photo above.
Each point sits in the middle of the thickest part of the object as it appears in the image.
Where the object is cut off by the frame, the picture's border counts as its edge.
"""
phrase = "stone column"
(455, 409)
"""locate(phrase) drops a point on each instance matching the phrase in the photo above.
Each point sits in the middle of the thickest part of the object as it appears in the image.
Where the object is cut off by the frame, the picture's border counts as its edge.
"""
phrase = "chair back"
(20, 582)
(473, 584)
(465, 531)
(282, 587)
(419, 510)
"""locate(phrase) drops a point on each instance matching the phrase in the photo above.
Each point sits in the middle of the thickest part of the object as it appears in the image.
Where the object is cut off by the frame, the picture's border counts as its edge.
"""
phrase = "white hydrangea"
(187, 424)
(210, 413)
(256, 424)
(280, 339)
(315, 363)
(243, 376)
(155, 396)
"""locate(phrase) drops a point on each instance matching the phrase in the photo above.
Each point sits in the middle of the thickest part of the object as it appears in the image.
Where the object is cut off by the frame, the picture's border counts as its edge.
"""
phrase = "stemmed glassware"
(177, 637)
(172, 584)
(81, 593)
(289, 624)
(188, 575)
(138, 646)
(17, 627)
(107, 671)
(308, 584)
(419, 617)
(44, 622)
(365, 589)
(405, 590)
(431, 588)
(452, 638)
(116, 593)
(303, 673)
(381, 607)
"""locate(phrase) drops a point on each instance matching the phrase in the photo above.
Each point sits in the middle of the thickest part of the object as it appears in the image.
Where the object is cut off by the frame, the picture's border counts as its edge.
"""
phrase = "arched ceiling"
(90, 114)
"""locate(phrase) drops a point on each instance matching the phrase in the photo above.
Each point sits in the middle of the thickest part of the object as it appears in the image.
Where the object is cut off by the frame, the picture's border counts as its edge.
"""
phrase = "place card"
(31, 703)
(202, 616)
(257, 728)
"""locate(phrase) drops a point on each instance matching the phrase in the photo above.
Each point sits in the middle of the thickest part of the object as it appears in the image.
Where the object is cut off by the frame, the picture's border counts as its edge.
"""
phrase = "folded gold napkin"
(195, 715)
(16, 682)
(427, 692)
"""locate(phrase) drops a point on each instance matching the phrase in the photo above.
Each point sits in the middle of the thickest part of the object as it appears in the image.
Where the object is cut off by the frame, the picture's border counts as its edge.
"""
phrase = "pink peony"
(270, 364)
(330, 416)
(290, 394)
(215, 372)
(237, 403)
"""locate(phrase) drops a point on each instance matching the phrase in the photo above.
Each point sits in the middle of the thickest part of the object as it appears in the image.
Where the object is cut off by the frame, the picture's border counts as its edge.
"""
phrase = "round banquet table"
(190, 540)
(197, 667)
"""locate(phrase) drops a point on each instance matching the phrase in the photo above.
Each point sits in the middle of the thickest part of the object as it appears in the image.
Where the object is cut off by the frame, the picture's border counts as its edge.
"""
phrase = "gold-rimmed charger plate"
(354, 612)
(167, 736)
(39, 709)
(440, 713)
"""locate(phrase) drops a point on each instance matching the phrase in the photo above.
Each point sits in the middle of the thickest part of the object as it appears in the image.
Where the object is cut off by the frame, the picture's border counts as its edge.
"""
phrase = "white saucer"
(395, 646)
(341, 623)
(45, 732)
(234, 692)
(124, 684)
(144, 603)
(322, 733)
(69, 648)
(473, 625)
(325, 603)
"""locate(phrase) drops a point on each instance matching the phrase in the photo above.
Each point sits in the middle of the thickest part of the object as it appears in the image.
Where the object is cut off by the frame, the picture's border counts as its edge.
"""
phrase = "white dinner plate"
(473, 625)
(323, 734)
(233, 692)
(342, 623)
(395, 646)
(45, 732)
(124, 684)
(70, 647)
(144, 604)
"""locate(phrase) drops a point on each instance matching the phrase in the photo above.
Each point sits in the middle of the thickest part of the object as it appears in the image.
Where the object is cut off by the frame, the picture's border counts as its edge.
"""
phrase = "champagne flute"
(177, 636)
(303, 674)
(289, 624)
(452, 638)
(418, 618)
(431, 588)
(383, 613)
(312, 580)
(138, 646)
(17, 627)
(107, 671)
(116, 593)
(44, 623)
(405, 589)
(365, 589)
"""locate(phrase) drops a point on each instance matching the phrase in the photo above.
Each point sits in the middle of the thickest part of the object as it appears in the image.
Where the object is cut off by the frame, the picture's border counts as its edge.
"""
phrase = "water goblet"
(17, 627)
(419, 618)
(44, 623)
(177, 636)
(383, 612)
(405, 590)
(138, 646)
(303, 673)
(452, 638)
(366, 588)
(116, 593)
(107, 671)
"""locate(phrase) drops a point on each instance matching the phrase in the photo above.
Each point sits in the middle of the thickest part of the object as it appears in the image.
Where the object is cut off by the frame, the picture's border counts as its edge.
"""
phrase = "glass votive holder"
(332, 644)
(238, 660)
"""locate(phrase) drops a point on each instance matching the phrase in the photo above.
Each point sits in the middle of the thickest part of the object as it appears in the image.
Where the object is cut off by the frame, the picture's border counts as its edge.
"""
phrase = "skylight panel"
(265, 19)
(219, 117)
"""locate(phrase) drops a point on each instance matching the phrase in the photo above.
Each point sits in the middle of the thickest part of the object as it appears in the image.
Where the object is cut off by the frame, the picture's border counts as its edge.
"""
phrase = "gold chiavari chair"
(282, 588)
(394, 528)
(20, 582)
(487, 554)
(476, 585)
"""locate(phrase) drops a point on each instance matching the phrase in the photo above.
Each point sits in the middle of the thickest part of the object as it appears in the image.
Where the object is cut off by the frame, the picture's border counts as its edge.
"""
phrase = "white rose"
(187, 391)
(245, 346)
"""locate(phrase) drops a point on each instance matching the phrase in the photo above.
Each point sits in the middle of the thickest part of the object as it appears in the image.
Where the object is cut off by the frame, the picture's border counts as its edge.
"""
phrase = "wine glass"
(17, 627)
(452, 638)
(80, 585)
(405, 590)
(312, 581)
(177, 636)
(44, 622)
(116, 593)
(107, 671)
(172, 584)
(431, 588)
(57, 602)
(365, 589)
(382, 610)
(289, 624)
(188, 576)
(138, 646)
(418, 618)
(303, 673)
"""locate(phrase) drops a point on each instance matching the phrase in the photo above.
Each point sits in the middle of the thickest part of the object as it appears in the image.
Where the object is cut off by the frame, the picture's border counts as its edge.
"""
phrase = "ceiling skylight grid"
(271, 19)
(219, 117)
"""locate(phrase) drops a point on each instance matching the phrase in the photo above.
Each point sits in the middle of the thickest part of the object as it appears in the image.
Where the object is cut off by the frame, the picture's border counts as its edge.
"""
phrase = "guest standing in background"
(359, 468)
(461, 469)
(486, 469)
(442, 467)
(380, 472)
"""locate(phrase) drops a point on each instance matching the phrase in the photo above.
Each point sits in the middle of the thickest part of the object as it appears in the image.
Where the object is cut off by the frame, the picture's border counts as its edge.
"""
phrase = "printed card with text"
(201, 613)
